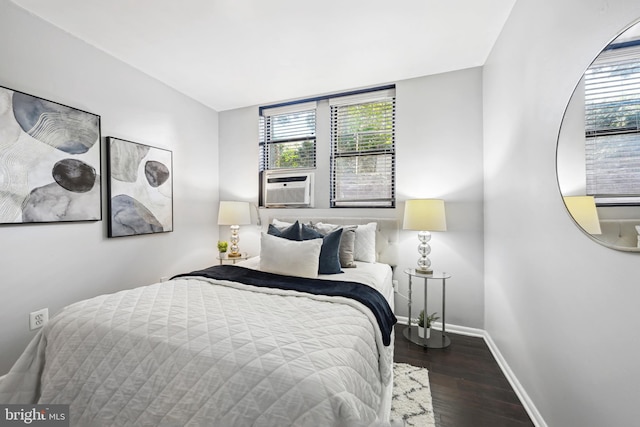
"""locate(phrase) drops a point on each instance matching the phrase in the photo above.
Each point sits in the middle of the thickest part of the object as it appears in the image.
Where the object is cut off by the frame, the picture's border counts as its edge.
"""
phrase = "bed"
(229, 345)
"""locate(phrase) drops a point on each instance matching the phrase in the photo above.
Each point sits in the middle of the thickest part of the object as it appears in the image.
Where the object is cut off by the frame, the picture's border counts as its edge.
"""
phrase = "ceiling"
(235, 53)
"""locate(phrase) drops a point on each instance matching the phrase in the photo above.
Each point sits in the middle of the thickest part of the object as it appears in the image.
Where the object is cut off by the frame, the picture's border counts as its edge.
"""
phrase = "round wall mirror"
(598, 153)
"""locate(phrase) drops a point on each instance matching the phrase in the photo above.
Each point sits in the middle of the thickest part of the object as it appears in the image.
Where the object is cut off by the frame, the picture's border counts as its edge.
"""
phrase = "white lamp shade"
(234, 213)
(584, 212)
(424, 215)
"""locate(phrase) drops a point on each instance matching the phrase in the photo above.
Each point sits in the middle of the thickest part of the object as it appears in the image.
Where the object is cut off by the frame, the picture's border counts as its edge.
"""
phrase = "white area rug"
(411, 400)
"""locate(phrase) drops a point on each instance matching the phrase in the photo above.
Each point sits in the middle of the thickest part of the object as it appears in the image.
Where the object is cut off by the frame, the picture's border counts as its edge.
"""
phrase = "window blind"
(288, 137)
(363, 150)
(612, 126)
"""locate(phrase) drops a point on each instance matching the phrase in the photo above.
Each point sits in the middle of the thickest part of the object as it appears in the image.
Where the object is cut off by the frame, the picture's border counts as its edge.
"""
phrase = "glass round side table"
(222, 257)
(438, 339)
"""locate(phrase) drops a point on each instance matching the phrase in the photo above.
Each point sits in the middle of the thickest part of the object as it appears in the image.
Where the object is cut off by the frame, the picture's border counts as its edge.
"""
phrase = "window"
(357, 145)
(363, 150)
(288, 137)
(612, 113)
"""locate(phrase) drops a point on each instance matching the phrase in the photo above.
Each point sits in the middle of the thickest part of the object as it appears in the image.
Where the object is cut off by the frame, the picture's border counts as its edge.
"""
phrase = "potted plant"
(429, 320)
(424, 324)
(421, 324)
(222, 246)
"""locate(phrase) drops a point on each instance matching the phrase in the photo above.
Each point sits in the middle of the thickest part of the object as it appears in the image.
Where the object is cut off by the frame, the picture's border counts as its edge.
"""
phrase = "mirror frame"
(558, 142)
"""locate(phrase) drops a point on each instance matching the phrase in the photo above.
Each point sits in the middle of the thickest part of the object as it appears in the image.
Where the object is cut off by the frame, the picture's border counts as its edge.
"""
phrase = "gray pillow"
(347, 244)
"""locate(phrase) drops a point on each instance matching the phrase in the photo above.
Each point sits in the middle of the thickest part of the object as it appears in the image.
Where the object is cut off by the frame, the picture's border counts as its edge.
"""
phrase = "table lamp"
(234, 214)
(584, 212)
(424, 216)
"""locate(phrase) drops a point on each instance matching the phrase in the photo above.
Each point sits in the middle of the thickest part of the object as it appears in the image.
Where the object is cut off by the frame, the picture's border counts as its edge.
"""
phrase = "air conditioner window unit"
(288, 189)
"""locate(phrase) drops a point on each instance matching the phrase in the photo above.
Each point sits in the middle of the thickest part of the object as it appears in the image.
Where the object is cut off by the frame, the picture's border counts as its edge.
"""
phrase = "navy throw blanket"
(364, 294)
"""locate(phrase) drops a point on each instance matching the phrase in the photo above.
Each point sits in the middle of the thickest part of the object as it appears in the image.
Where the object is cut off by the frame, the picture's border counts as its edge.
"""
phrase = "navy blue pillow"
(308, 233)
(329, 253)
(290, 233)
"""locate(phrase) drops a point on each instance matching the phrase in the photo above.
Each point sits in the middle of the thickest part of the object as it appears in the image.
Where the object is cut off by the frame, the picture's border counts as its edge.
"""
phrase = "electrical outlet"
(37, 319)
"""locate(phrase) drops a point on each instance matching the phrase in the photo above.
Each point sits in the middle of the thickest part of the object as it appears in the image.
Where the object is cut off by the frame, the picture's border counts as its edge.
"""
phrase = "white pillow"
(325, 228)
(365, 246)
(290, 257)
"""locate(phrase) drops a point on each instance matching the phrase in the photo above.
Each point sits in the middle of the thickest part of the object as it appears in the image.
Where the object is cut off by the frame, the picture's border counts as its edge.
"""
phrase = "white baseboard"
(462, 330)
(528, 405)
(531, 409)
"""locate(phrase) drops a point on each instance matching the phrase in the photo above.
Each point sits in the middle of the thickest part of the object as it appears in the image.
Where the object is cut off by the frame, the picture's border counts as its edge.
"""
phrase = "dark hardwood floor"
(467, 386)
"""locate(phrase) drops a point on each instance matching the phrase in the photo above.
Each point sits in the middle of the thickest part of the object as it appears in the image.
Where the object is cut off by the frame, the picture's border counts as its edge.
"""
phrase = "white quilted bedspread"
(191, 352)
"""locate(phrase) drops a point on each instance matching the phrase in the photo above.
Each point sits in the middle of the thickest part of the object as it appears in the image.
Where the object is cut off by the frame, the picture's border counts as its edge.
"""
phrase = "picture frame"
(50, 161)
(140, 188)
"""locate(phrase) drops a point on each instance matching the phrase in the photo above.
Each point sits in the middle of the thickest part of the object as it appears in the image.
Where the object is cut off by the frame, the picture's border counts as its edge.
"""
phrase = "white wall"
(562, 309)
(52, 265)
(439, 154)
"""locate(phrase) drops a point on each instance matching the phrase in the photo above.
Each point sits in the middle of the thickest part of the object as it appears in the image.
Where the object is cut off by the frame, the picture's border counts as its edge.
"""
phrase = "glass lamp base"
(234, 239)
(424, 263)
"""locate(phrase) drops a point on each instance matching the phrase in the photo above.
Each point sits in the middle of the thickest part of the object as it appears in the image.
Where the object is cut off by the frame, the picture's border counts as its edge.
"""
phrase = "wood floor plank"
(468, 387)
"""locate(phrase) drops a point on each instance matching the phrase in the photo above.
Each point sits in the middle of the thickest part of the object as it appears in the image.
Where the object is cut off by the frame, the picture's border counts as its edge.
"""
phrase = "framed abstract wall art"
(140, 188)
(49, 161)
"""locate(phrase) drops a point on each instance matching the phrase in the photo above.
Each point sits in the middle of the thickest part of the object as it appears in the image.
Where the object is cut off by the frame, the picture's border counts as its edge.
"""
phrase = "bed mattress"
(197, 351)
